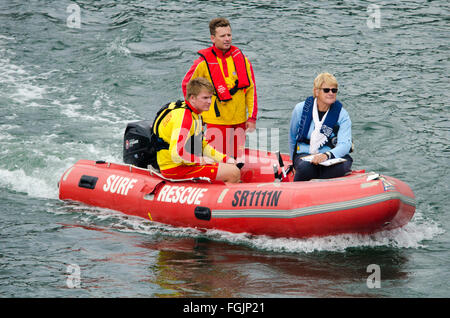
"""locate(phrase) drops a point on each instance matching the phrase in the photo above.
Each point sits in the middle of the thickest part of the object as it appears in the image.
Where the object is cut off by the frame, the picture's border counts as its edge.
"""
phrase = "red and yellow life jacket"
(243, 81)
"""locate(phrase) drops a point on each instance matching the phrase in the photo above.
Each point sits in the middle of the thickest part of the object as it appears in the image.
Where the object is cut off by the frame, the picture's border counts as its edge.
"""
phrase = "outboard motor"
(137, 144)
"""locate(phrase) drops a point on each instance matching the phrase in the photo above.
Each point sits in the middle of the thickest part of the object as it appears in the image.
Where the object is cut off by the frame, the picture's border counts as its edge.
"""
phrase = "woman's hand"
(321, 157)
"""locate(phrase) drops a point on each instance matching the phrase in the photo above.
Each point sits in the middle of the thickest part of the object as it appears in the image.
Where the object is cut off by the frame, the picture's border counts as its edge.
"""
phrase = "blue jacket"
(344, 135)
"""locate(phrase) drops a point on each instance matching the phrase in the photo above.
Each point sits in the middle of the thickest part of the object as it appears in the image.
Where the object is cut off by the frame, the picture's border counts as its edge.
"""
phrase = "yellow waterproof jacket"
(182, 130)
(243, 105)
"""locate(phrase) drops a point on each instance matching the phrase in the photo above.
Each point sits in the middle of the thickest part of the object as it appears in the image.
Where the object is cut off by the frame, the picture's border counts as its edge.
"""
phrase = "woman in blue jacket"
(321, 129)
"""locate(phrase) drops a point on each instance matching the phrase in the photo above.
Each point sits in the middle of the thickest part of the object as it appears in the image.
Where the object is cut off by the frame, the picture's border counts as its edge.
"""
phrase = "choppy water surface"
(67, 94)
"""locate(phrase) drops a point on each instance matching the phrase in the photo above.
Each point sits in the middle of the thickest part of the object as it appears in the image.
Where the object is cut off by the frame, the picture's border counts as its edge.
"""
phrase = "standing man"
(234, 107)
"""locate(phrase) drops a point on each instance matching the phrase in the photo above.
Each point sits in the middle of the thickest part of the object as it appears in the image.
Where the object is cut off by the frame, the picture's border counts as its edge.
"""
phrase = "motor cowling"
(138, 149)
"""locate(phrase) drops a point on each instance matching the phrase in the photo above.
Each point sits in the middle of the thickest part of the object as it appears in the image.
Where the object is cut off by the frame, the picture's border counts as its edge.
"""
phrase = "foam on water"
(19, 82)
(41, 182)
(33, 163)
(410, 236)
(413, 235)
(19, 181)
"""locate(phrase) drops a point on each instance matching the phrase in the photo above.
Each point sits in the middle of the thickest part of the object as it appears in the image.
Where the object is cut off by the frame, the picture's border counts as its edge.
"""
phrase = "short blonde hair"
(322, 78)
(196, 85)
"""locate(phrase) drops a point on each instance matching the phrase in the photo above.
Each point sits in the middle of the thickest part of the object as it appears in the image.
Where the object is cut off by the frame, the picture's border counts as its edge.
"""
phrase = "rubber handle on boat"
(280, 161)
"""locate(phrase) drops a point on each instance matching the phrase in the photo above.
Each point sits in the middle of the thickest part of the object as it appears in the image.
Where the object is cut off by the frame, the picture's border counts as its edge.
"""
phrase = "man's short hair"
(217, 23)
(196, 85)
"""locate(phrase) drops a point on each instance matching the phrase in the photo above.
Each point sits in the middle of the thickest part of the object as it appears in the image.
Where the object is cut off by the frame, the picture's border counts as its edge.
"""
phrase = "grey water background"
(67, 93)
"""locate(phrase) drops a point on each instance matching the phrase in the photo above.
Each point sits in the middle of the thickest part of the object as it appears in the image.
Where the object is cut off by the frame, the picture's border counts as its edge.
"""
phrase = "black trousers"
(305, 170)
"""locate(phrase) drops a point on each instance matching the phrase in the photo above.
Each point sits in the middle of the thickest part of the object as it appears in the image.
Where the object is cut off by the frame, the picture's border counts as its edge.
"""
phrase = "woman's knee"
(305, 171)
(336, 171)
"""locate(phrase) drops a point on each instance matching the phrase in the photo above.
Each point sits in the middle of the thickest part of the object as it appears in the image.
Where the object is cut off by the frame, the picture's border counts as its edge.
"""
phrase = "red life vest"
(223, 94)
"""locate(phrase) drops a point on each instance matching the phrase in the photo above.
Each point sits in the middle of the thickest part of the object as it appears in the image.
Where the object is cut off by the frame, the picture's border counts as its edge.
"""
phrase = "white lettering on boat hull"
(118, 184)
(181, 194)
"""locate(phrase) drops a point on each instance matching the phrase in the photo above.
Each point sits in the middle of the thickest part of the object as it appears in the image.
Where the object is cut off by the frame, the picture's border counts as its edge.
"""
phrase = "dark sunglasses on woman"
(327, 90)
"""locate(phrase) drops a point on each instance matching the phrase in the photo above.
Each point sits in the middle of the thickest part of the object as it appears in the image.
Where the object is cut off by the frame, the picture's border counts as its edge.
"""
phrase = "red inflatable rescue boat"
(261, 205)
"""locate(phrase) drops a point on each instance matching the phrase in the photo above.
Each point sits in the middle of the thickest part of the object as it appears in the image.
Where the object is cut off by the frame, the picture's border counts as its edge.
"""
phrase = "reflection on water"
(203, 268)
(118, 251)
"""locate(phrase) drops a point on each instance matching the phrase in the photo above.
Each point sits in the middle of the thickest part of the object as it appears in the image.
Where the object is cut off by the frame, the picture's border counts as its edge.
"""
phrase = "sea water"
(74, 73)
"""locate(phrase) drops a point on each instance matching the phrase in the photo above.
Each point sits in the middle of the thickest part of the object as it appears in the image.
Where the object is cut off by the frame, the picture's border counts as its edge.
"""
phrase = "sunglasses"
(327, 90)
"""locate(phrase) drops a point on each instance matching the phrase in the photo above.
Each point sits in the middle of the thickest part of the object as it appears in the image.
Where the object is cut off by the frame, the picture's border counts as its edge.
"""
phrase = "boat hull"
(358, 203)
